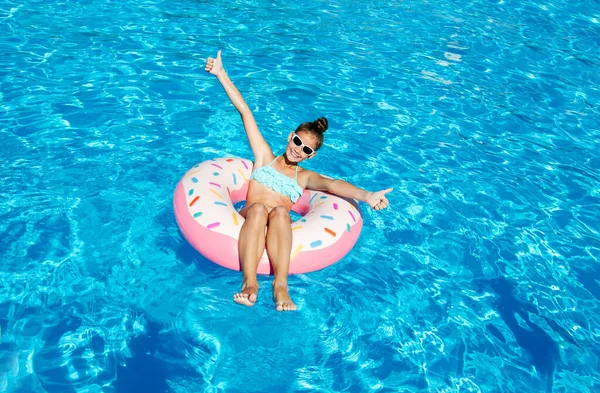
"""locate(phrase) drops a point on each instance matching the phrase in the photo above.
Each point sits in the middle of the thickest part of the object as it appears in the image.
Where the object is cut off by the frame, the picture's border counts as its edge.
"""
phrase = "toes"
(244, 299)
(285, 306)
(247, 297)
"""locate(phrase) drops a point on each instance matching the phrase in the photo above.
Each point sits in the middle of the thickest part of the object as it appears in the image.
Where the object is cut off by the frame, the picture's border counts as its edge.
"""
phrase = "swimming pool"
(483, 276)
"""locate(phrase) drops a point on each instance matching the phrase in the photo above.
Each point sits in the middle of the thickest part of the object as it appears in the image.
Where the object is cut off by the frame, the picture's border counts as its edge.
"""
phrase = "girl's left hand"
(377, 200)
(214, 66)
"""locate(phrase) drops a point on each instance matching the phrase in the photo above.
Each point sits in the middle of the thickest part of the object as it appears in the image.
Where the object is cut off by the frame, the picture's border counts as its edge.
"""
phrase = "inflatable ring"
(204, 208)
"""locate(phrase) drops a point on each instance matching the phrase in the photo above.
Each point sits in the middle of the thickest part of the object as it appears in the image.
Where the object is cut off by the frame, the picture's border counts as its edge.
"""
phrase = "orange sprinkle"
(332, 233)
(318, 205)
(298, 227)
(296, 251)
(242, 174)
(194, 201)
(228, 191)
(229, 159)
(216, 193)
(235, 219)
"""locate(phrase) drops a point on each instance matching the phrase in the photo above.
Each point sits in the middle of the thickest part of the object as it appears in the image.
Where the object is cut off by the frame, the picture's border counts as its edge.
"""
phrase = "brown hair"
(317, 128)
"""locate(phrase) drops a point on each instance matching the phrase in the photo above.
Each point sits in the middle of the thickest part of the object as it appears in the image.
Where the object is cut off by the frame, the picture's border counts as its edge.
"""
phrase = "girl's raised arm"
(260, 148)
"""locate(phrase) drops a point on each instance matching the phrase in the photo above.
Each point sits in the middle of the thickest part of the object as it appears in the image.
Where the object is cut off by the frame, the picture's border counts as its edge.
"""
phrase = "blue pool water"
(482, 276)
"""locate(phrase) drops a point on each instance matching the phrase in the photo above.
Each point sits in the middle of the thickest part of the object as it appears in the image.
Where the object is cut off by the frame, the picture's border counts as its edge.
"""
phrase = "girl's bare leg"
(251, 246)
(279, 247)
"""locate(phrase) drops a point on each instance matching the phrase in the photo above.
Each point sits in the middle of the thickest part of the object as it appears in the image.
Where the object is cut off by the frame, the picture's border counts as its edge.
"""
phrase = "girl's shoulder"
(305, 174)
(266, 159)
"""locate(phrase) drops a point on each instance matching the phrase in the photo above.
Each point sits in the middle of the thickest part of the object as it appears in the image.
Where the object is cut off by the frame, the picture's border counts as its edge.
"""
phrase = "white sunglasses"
(298, 142)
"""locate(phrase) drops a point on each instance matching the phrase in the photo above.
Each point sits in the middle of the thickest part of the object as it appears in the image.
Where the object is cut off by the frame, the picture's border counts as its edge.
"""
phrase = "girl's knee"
(257, 211)
(280, 213)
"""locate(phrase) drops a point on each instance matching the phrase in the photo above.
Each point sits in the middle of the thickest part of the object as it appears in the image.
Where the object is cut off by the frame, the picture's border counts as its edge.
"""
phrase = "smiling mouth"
(295, 154)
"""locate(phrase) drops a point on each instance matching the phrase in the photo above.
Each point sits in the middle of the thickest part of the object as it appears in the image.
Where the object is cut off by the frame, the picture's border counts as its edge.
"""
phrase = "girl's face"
(301, 145)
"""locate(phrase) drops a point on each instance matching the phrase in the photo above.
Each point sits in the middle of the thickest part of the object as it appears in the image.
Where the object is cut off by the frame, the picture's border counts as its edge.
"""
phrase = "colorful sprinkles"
(216, 193)
(352, 215)
(190, 173)
(296, 251)
(194, 201)
(332, 233)
(323, 233)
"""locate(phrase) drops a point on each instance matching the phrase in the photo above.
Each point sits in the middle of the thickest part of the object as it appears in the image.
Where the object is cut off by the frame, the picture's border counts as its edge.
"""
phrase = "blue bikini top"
(277, 181)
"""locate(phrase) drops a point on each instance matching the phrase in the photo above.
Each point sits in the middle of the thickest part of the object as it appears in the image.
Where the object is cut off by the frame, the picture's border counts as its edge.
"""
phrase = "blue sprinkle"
(234, 179)
(348, 227)
(191, 192)
(312, 197)
(196, 215)
(327, 217)
(324, 196)
(215, 173)
(316, 244)
(303, 220)
(221, 204)
(194, 180)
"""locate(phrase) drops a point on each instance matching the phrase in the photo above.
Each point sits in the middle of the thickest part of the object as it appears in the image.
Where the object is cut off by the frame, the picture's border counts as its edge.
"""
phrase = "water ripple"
(482, 116)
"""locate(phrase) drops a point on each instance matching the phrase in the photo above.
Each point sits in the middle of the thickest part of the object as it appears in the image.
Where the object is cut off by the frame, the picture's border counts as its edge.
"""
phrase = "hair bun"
(320, 124)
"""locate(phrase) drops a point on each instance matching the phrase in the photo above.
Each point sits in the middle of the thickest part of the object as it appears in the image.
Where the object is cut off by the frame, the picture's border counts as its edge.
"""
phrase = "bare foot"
(283, 302)
(248, 295)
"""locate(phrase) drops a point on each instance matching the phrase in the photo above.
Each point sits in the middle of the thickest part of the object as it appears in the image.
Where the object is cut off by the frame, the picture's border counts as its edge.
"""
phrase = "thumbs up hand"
(214, 66)
(377, 200)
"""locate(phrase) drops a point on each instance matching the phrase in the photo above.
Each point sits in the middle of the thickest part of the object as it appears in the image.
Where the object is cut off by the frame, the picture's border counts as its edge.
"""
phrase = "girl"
(276, 184)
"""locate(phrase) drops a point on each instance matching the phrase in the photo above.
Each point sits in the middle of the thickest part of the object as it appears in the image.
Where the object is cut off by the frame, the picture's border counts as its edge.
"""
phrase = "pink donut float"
(204, 208)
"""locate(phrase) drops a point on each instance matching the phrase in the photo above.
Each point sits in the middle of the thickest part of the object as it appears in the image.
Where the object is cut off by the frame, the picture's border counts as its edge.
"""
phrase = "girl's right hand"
(214, 66)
